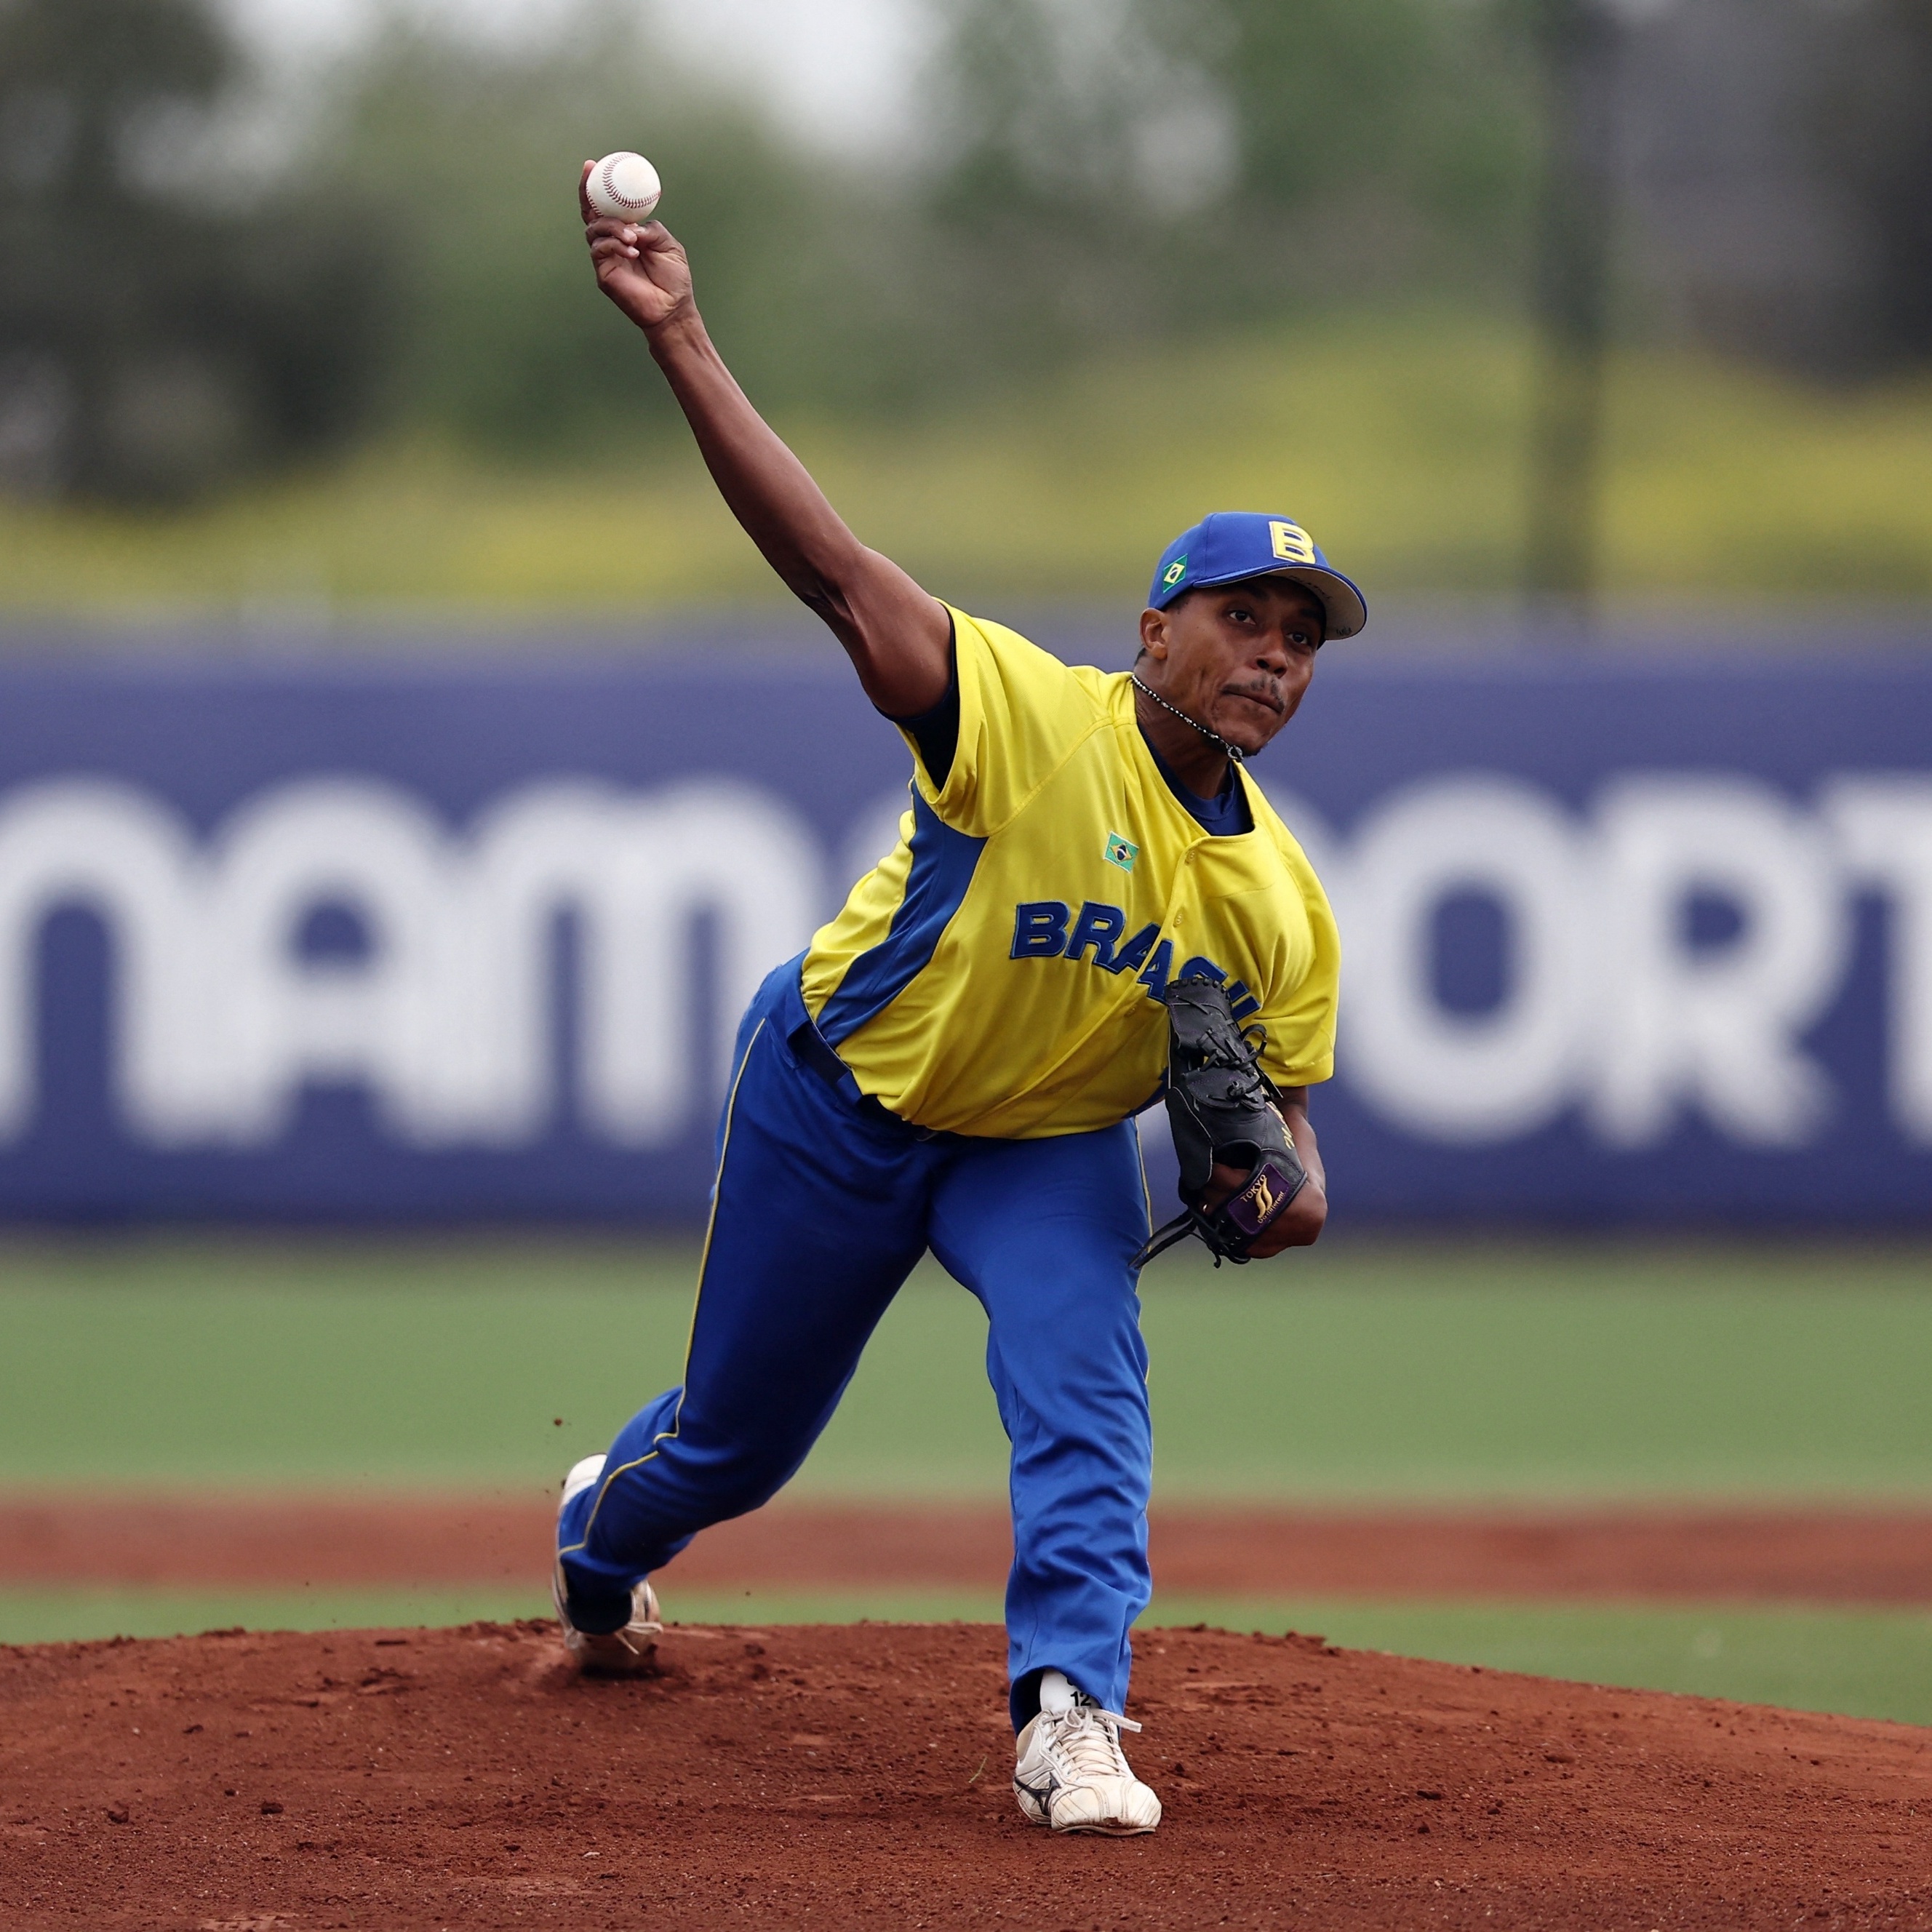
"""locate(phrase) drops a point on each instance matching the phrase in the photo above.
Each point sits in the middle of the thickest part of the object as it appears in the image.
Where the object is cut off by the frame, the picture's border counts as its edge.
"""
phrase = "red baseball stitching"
(610, 187)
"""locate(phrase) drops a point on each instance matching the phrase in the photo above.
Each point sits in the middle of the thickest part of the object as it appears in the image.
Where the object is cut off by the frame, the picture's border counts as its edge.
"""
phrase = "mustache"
(1262, 694)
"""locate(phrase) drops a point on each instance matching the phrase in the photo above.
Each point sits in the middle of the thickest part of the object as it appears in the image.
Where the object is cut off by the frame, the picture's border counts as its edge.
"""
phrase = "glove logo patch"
(1121, 852)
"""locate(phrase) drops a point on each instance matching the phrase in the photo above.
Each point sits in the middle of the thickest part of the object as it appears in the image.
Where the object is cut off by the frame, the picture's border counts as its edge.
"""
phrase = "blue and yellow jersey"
(999, 972)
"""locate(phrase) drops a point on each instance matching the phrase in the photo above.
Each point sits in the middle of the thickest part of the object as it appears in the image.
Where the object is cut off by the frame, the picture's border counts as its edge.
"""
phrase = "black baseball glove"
(1221, 1108)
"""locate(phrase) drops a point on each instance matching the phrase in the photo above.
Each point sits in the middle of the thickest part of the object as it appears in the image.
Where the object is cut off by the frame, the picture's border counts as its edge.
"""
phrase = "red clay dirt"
(857, 1776)
(1704, 1554)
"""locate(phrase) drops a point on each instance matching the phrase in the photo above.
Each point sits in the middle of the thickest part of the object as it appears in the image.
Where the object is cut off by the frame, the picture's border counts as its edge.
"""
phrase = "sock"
(1056, 1694)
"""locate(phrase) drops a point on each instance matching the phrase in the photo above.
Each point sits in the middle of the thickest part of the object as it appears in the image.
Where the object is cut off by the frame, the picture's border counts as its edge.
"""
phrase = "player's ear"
(1154, 633)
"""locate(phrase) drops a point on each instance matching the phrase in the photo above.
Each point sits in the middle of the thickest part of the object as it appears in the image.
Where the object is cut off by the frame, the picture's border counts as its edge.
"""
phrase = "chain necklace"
(1213, 737)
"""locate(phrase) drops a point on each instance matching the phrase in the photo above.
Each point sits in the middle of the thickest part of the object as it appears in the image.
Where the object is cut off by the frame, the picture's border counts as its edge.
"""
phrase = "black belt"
(809, 1044)
(811, 1047)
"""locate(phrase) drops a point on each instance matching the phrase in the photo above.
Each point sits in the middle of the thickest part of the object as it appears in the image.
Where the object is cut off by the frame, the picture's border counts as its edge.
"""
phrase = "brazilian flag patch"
(1121, 852)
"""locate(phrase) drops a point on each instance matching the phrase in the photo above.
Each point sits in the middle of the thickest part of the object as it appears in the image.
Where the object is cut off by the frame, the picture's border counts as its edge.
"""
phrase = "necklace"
(1213, 737)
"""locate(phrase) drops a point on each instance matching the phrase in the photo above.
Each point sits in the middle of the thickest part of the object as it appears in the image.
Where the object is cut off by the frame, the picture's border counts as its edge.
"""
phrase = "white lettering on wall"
(1714, 1029)
(279, 1021)
(1885, 826)
(95, 843)
(445, 1016)
(1477, 1077)
(1612, 1003)
(1609, 1006)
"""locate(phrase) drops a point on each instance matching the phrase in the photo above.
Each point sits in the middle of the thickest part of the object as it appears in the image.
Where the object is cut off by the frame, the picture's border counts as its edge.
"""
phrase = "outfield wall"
(1627, 940)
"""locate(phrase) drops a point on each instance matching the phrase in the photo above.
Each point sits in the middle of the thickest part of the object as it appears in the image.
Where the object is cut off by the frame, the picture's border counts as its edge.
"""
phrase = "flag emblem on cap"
(1121, 852)
(1175, 571)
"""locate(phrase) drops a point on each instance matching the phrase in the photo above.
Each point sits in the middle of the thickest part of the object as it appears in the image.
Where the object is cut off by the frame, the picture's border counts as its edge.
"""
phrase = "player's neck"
(1199, 764)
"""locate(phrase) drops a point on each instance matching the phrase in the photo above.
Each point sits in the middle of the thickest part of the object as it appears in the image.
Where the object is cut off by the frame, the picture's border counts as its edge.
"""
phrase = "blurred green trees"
(1152, 164)
(1872, 130)
(1104, 170)
(152, 341)
(183, 301)
(1093, 172)
(472, 156)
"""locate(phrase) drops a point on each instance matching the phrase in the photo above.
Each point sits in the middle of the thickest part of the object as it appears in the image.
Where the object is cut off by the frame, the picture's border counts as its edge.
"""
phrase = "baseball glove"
(1221, 1108)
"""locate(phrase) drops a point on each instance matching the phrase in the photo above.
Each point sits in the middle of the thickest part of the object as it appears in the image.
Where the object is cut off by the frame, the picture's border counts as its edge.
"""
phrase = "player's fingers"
(612, 248)
(599, 226)
(584, 194)
(1221, 1186)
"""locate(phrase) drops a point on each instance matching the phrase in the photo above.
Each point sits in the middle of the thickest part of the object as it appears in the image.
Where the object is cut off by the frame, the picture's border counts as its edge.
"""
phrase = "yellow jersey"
(1001, 971)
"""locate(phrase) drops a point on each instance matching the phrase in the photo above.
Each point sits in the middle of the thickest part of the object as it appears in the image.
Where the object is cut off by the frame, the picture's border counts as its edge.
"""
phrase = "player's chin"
(1247, 723)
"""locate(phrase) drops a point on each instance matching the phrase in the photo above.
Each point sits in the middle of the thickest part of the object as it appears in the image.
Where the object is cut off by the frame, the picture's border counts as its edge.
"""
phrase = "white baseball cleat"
(1071, 1773)
(620, 1653)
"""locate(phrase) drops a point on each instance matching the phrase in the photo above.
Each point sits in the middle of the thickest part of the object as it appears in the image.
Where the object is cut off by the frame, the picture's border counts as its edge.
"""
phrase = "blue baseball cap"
(1231, 545)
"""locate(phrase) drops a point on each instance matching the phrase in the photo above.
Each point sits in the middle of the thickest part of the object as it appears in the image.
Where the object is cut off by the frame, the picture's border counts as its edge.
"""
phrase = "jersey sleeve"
(1022, 713)
(1301, 1016)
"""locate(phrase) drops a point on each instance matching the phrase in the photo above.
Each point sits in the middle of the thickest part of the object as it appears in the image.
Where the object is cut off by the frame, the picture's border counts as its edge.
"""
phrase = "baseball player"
(1089, 900)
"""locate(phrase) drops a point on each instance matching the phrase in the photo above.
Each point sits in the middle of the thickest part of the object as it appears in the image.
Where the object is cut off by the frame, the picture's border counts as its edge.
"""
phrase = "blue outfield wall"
(1642, 941)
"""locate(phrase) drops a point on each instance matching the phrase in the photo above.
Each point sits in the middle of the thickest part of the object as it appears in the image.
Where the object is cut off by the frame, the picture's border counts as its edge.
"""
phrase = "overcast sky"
(837, 69)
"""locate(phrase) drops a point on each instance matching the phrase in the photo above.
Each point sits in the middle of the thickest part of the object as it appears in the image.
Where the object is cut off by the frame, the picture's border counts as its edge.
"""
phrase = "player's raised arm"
(897, 635)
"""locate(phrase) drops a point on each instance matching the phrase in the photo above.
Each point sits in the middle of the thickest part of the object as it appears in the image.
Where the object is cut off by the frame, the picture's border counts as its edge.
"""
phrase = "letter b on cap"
(1292, 544)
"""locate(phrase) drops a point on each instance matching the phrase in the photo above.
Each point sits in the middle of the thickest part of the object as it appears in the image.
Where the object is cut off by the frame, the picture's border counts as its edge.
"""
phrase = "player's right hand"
(1299, 1225)
(640, 265)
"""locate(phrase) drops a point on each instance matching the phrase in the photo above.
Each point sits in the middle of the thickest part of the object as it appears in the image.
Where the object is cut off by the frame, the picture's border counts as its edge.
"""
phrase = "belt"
(812, 1050)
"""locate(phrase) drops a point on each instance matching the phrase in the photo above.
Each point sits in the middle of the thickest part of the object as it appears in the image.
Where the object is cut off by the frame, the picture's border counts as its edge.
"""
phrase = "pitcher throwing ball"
(1089, 900)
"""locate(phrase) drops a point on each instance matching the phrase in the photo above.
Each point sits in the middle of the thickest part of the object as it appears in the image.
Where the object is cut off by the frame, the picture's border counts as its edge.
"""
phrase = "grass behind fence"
(1398, 439)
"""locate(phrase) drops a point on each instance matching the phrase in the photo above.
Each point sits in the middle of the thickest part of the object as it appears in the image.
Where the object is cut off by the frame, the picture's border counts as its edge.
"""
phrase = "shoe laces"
(642, 1623)
(1088, 1739)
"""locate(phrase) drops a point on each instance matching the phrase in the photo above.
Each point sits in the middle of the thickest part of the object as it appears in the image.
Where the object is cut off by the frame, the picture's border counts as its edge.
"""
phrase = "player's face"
(1238, 657)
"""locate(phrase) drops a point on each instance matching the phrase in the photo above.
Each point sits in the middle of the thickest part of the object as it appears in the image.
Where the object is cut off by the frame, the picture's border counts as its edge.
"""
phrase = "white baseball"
(625, 187)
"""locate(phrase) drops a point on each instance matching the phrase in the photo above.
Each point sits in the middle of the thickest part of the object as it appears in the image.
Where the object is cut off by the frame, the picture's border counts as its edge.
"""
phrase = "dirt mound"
(1703, 1555)
(857, 1775)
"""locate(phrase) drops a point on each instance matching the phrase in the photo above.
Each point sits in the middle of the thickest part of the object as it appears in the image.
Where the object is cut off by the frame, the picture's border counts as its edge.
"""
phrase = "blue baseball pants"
(823, 1205)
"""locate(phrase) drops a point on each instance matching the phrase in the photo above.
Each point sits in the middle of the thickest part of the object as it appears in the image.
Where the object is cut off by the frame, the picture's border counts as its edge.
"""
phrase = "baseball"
(625, 187)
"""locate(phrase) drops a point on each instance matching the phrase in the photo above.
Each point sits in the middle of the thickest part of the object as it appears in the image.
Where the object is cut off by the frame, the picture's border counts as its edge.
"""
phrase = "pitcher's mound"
(857, 1775)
